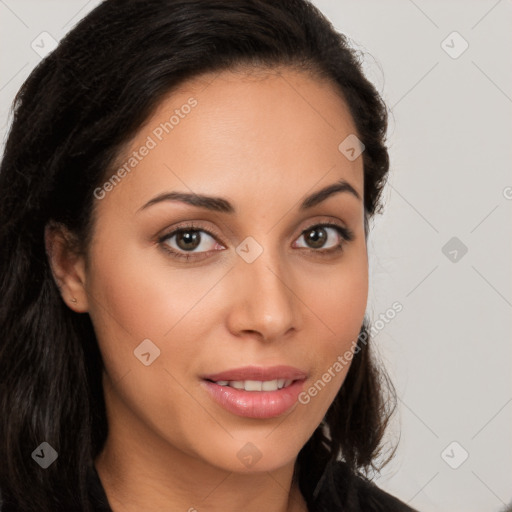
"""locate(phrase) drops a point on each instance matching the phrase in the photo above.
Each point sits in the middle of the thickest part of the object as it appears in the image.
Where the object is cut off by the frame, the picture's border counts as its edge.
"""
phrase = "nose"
(264, 302)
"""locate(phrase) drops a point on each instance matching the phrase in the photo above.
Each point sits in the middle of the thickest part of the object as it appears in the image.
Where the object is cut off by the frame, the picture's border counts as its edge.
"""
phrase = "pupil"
(191, 239)
(317, 237)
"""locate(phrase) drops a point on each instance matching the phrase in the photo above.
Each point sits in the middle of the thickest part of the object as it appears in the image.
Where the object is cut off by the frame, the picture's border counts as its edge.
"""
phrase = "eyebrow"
(220, 204)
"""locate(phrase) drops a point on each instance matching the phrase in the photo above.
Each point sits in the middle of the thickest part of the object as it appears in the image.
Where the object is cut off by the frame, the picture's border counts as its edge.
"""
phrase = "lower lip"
(255, 404)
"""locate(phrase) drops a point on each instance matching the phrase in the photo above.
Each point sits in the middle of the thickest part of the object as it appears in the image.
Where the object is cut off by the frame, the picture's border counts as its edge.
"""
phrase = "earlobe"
(67, 266)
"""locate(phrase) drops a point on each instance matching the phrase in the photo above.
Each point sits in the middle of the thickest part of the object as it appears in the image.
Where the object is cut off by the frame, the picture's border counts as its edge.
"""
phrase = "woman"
(187, 188)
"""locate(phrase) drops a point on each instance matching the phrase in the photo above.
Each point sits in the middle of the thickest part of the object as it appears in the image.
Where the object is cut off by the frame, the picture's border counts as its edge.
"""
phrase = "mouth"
(255, 385)
(256, 392)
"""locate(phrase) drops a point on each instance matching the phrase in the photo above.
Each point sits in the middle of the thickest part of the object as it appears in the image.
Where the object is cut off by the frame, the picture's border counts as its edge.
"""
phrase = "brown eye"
(184, 242)
(317, 236)
(188, 240)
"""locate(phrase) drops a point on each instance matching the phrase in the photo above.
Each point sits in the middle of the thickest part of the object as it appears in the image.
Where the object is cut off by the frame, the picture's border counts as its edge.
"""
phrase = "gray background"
(449, 350)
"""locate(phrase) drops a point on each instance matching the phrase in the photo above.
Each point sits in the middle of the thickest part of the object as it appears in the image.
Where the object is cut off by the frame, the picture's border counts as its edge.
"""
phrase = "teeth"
(269, 385)
(256, 385)
(253, 385)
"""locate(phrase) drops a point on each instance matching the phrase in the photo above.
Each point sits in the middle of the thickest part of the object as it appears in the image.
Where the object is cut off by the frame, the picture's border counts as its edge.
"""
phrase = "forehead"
(241, 134)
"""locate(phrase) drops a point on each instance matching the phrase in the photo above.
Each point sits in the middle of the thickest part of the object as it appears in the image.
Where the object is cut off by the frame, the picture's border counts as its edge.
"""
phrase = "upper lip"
(258, 373)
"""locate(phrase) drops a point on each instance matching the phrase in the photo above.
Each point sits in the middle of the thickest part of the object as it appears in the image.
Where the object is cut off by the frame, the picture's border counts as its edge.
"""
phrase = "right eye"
(187, 241)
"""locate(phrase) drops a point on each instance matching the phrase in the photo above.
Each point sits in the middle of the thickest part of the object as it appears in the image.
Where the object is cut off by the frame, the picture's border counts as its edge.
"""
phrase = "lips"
(256, 392)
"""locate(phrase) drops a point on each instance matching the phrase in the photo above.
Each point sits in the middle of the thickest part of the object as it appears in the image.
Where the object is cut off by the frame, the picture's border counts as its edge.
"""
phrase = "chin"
(252, 457)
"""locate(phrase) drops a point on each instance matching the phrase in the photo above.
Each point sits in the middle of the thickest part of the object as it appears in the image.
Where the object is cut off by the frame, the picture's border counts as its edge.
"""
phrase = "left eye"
(316, 236)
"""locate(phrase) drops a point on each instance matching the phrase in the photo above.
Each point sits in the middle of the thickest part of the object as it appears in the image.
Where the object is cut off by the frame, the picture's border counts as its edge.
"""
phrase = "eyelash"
(346, 234)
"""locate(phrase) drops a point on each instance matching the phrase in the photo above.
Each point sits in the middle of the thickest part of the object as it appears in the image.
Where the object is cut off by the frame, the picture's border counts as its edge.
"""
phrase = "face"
(218, 319)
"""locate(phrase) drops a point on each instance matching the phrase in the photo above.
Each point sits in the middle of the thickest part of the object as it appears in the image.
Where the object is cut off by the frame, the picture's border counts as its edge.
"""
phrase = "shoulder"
(342, 489)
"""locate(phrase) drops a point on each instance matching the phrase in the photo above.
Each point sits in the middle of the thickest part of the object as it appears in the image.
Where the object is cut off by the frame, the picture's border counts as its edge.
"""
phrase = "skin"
(262, 140)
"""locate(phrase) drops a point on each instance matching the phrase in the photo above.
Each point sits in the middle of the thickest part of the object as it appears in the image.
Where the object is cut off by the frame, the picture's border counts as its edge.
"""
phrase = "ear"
(67, 265)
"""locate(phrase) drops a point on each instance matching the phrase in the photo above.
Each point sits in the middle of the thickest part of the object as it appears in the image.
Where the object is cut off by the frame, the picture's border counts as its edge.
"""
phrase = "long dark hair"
(71, 120)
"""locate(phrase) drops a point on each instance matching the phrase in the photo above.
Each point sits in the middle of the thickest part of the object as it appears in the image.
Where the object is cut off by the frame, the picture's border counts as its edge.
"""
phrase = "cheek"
(134, 298)
(137, 299)
(340, 299)
(340, 305)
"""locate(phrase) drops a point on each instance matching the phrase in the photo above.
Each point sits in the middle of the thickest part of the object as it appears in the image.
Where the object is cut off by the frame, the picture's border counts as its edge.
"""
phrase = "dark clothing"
(354, 494)
(97, 493)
